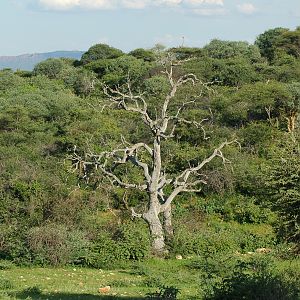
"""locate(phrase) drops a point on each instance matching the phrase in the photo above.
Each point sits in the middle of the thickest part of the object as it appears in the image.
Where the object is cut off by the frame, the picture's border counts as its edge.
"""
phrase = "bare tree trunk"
(156, 231)
(168, 227)
(155, 225)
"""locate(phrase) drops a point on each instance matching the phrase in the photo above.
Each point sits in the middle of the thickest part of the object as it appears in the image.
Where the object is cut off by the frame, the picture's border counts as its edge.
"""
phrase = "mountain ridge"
(28, 61)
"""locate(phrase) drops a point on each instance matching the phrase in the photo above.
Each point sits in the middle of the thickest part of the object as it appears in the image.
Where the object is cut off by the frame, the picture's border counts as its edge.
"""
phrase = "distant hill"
(28, 61)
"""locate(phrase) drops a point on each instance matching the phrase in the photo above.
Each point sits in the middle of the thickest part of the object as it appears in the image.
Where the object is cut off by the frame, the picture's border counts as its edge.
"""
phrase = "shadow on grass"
(35, 294)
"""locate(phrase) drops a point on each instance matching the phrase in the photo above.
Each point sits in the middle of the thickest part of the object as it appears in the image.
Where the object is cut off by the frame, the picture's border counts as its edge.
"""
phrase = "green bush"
(215, 236)
(255, 280)
(165, 292)
(13, 245)
(54, 244)
(6, 265)
(30, 293)
(235, 207)
(126, 242)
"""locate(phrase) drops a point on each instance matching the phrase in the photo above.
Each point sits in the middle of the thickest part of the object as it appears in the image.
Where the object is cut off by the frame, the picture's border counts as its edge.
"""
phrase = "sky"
(33, 26)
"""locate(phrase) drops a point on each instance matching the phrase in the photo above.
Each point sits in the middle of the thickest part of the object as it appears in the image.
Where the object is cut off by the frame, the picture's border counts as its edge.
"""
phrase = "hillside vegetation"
(235, 228)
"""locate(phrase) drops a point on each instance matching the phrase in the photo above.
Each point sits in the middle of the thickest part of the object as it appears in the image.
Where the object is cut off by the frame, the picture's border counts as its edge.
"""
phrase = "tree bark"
(168, 227)
(156, 231)
(155, 225)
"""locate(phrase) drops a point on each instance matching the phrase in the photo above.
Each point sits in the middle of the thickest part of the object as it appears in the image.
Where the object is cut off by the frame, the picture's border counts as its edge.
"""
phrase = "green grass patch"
(192, 277)
(133, 281)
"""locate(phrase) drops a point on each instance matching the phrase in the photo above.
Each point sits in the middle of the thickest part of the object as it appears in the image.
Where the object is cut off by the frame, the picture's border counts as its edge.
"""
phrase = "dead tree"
(155, 179)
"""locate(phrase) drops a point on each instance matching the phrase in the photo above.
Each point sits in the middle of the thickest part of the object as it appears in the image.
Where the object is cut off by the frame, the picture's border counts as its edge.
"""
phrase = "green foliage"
(165, 292)
(5, 284)
(255, 280)
(233, 72)
(282, 179)
(236, 207)
(6, 265)
(140, 53)
(100, 51)
(13, 245)
(187, 52)
(43, 213)
(266, 42)
(9, 81)
(216, 237)
(50, 68)
(124, 243)
(289, 41)
(227, 49)
(84, 83)
(257, 137)
(252, 102)
(116, 71)
(55, 245)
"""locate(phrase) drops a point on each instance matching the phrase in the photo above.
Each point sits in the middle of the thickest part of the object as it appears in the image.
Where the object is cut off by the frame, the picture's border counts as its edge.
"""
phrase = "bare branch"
(171, 197)
(184, 176)
(99, 162)
(113, 178)
(128, 101)
(134, 214)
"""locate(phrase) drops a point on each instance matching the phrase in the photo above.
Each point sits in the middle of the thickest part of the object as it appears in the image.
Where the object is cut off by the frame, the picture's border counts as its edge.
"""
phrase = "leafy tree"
(233, 72)
(187, 52)
(291, 105)
(100, 51)
(140, 53)
(50, 68)
(260, 101)
(289, 41)
(116, 71)
(266, 42)
(283, 181)
(227, 49)
(84, 83)
(9, 81)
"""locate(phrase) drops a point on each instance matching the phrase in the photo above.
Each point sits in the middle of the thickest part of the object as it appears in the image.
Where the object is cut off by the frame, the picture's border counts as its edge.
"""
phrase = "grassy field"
(132, 282)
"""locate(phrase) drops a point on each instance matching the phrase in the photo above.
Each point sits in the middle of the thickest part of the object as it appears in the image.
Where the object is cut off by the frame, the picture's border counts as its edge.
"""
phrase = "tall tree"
(100, 51)
(161, 186)
(282, 178)
(266, 42)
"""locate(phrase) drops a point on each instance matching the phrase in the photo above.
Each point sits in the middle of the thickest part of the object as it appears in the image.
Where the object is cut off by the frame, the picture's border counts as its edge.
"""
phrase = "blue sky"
(30, 26)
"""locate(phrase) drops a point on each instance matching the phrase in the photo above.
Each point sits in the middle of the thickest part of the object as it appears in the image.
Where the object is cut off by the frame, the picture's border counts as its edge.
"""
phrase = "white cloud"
(201, 2)
(135, 4)
(131, 4)
(68, 4)
(246, 8)
(209, 11)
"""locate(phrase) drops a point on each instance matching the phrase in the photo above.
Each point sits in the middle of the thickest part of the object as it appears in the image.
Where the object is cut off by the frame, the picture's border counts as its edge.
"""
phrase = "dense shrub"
(255, 280)
(235, 207)
(56, 245)
(165, 292)
(123, 243)
(6, 265)
(13, 243)
(215, 236)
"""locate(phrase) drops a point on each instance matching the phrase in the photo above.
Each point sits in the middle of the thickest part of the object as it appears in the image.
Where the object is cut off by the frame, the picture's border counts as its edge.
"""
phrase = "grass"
(133, 281)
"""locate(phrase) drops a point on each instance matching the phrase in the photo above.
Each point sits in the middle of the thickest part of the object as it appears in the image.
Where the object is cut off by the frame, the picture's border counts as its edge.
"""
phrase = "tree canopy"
(151, 123)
